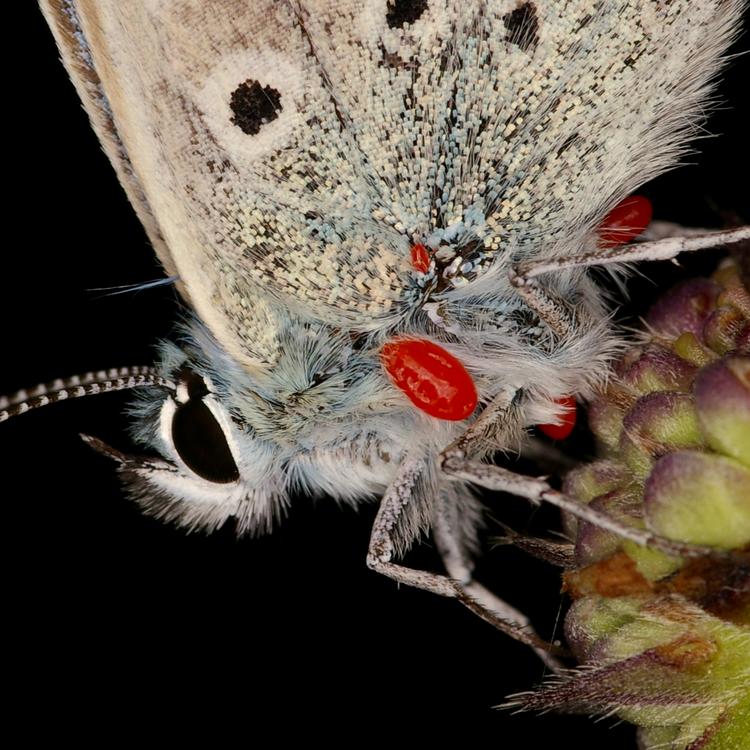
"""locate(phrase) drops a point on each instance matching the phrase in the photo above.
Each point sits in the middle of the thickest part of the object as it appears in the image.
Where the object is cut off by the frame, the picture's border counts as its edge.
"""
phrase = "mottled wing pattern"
(292, 152)
(517, 123)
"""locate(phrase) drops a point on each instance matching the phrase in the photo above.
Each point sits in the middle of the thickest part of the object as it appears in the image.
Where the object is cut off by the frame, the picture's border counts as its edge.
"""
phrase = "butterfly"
(380, 217)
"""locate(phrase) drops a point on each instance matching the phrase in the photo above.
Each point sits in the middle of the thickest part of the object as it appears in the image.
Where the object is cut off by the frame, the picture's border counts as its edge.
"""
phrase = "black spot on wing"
(253, 106)
(401, 12)
(523, 26)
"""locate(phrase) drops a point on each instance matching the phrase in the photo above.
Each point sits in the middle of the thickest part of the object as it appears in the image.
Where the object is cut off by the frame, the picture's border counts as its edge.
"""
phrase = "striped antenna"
(88, 384)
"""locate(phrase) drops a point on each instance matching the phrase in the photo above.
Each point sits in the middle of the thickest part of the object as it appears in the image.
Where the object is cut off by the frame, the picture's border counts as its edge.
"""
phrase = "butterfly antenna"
(77, 386)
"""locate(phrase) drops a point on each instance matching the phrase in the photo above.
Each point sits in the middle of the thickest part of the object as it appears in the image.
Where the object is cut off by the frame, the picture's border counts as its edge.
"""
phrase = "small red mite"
(432, 378)
(420, 258)
(567, 416)
(625, 221)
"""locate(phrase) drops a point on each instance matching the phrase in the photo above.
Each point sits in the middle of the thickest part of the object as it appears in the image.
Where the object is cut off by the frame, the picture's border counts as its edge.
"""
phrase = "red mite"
(625, 221)
(567, 416)
(432, 378)
(420, 258)
(438, 384)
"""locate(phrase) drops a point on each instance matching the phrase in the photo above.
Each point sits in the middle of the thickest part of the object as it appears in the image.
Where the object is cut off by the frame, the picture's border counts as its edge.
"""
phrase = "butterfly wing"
(284, 156)
(64, 22)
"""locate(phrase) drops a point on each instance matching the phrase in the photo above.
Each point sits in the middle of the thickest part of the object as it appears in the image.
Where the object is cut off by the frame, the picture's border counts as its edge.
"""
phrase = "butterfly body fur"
(285, 156)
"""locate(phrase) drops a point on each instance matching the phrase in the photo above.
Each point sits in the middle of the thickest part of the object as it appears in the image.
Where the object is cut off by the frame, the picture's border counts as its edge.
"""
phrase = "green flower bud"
(700, 498)
(657, 423)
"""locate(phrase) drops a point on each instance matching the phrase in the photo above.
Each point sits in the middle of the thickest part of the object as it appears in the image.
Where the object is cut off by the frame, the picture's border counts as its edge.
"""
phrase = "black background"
(115, 618)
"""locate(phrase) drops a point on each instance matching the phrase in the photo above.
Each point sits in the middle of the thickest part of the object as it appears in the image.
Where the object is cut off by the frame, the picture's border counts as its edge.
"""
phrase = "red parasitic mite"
(420, 257)
(625, 221)
(567, 415)
(432, 378)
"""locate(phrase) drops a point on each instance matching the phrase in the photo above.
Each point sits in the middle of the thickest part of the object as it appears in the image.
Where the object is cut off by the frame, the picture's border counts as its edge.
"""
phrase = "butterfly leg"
(382, 550)
(663, 249)
(536, 489)
(554, 313)
(496, 425)
(478, 598)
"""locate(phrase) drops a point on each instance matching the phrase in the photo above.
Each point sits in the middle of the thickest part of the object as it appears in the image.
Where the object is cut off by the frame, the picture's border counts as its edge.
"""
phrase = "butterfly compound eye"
(200, 441)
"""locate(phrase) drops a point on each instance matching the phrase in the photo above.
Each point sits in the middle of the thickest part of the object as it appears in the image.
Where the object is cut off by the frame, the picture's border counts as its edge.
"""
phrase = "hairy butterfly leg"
(538, 490)
(554, 313)
(663, 249)
(404, 491)
(476, 597)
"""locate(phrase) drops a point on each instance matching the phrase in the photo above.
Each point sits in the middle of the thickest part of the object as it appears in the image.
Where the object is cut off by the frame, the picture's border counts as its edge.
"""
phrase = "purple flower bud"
(658, 423)
(683, 308)
(659, 370)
